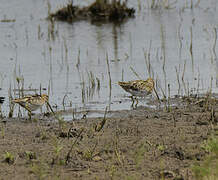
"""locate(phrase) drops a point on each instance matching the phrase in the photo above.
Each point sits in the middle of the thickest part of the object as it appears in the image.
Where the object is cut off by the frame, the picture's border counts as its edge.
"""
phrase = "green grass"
(9, 158)
(208, 169)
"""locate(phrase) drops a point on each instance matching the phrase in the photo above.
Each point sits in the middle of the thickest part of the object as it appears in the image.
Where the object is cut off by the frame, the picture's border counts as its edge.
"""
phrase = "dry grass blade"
(110, 81)
(71, 148)
(100, 126)
(50, 108)
(214, 45)
(131, 68)
(156, 94)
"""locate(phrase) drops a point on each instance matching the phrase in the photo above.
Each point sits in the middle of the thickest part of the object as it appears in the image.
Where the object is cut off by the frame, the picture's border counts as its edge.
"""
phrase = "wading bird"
(141, 88)
(33, 102)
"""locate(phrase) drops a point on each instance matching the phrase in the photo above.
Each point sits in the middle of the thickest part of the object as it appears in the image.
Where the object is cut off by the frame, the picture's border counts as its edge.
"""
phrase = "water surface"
(179, 45)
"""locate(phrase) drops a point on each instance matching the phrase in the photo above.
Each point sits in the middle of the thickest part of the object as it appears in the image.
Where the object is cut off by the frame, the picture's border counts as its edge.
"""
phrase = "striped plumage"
(140, 88)
(32, 102)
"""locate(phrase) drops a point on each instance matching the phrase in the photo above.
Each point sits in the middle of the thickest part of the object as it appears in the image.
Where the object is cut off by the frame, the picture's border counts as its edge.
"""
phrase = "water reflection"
(85, 60)
(115, 41)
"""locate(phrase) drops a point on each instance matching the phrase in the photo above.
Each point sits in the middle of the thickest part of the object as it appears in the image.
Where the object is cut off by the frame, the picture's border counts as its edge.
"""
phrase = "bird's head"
(151, 82)
(45, 97)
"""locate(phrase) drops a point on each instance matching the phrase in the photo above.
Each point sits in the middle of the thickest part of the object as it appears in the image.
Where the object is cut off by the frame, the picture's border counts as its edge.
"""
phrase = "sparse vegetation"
(115, 145)
(30, 155)
(39, 169)
(175, 139)
(208, 169)
(8, 158)
(103, 10)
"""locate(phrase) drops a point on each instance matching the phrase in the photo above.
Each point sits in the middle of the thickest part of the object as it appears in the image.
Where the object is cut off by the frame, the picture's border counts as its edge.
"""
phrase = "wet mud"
(142, 143)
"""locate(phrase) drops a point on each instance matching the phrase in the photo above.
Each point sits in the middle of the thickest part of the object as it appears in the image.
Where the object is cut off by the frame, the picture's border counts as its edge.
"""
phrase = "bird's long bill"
(50, 107)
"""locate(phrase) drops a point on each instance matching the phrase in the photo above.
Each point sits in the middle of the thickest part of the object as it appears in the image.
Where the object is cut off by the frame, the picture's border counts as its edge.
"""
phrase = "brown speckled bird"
(140, 88)
(32, 102)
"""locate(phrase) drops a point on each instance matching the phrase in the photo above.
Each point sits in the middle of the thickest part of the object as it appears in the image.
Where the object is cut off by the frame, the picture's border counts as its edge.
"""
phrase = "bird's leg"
(137, 101)
(132, 101)
(29, 114)
(29, 111)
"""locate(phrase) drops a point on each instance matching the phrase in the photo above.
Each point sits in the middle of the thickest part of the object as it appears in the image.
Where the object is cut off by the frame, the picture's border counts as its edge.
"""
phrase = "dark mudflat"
(139, 144)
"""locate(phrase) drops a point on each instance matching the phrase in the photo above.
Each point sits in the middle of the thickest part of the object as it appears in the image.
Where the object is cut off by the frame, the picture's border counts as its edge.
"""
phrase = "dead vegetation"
(2, 100)
(142, 143)
(100, 10)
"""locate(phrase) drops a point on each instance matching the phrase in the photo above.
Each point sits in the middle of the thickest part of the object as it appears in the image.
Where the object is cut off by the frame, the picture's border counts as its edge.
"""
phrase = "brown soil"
(139, 144)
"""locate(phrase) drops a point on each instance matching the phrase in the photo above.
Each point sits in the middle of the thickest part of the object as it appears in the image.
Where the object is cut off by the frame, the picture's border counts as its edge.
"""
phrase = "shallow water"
(62, 62)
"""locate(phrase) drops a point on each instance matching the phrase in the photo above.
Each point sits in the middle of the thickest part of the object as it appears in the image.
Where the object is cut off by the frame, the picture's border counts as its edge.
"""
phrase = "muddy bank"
(142, 143)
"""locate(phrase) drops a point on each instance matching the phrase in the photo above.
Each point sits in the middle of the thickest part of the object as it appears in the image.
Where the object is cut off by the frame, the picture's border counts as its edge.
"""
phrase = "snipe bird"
(138, 88)
(32, 102)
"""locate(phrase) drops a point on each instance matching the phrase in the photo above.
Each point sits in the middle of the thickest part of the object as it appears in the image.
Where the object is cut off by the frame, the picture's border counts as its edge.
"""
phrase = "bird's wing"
(138, 85)
(127, 85)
